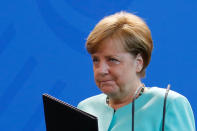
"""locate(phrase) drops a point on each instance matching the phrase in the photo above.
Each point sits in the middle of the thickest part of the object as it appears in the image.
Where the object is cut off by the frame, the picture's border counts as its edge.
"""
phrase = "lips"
(106, 82)
(103, 81)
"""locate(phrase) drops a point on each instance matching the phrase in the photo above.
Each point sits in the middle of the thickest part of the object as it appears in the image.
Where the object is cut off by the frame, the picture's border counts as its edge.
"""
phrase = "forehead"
(110, 45)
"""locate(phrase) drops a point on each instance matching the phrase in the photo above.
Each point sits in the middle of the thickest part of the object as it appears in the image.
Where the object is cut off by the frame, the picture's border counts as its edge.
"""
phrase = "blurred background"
(42, 50)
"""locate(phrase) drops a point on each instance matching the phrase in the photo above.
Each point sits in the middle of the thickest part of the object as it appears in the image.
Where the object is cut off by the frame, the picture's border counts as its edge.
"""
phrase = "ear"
(139, 63)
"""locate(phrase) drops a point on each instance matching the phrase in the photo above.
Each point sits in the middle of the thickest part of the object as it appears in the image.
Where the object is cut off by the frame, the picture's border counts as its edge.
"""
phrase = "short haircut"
(131, 30)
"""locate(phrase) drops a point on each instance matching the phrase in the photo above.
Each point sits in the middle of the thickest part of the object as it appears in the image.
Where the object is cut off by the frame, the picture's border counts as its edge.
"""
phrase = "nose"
(103, 68)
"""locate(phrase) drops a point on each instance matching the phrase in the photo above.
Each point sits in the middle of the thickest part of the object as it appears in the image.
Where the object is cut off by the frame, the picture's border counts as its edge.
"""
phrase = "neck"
(128, 98)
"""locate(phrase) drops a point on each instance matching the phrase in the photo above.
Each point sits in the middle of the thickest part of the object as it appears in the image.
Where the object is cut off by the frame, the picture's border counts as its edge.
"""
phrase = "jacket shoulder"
(92, 101)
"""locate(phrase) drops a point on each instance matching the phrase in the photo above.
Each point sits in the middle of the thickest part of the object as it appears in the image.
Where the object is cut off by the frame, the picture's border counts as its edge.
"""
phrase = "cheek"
(118, 76)
(125, 75)
(95, 77)
(95, 72)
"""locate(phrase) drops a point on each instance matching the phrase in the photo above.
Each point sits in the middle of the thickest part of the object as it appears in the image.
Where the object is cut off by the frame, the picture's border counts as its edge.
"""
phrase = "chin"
(110, 90)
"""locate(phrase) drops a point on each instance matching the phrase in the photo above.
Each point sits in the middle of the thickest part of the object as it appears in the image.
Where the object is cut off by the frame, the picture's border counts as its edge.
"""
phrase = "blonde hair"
(132, 31)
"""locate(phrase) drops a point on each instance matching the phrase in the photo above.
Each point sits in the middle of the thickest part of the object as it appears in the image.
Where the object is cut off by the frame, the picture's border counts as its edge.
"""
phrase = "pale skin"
(116, 72)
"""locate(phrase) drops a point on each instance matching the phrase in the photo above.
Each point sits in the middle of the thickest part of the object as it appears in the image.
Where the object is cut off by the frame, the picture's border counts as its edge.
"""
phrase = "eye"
(95, 60)
(114, 60)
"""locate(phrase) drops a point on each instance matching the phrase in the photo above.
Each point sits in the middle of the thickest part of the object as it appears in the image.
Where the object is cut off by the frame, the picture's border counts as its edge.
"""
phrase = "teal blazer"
(148, 112)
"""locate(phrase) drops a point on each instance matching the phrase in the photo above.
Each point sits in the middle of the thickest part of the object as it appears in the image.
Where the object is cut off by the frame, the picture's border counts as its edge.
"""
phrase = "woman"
(120, 46)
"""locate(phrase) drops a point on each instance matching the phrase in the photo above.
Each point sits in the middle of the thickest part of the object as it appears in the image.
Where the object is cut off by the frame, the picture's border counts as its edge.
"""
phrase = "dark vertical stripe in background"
(36, 119)
(17, 84)
(6, 37)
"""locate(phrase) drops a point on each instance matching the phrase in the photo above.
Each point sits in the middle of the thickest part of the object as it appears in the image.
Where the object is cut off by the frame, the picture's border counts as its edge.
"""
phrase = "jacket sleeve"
(179, 115)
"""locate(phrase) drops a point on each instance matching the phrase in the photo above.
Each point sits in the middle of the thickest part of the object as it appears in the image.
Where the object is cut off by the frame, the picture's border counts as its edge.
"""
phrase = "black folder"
(61, 116)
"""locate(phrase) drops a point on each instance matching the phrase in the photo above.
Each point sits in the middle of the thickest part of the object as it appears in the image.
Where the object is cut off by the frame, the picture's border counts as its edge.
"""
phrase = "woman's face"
(115, 70)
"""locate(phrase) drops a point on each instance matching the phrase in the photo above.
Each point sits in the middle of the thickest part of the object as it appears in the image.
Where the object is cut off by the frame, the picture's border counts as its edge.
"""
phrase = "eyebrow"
(108, 56)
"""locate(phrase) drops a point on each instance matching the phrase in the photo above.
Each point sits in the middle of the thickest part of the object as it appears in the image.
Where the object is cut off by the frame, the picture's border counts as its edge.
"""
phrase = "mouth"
(105, 82)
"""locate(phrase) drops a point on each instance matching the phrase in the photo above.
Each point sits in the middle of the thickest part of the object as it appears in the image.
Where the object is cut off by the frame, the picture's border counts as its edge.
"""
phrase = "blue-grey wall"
(42, 51)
